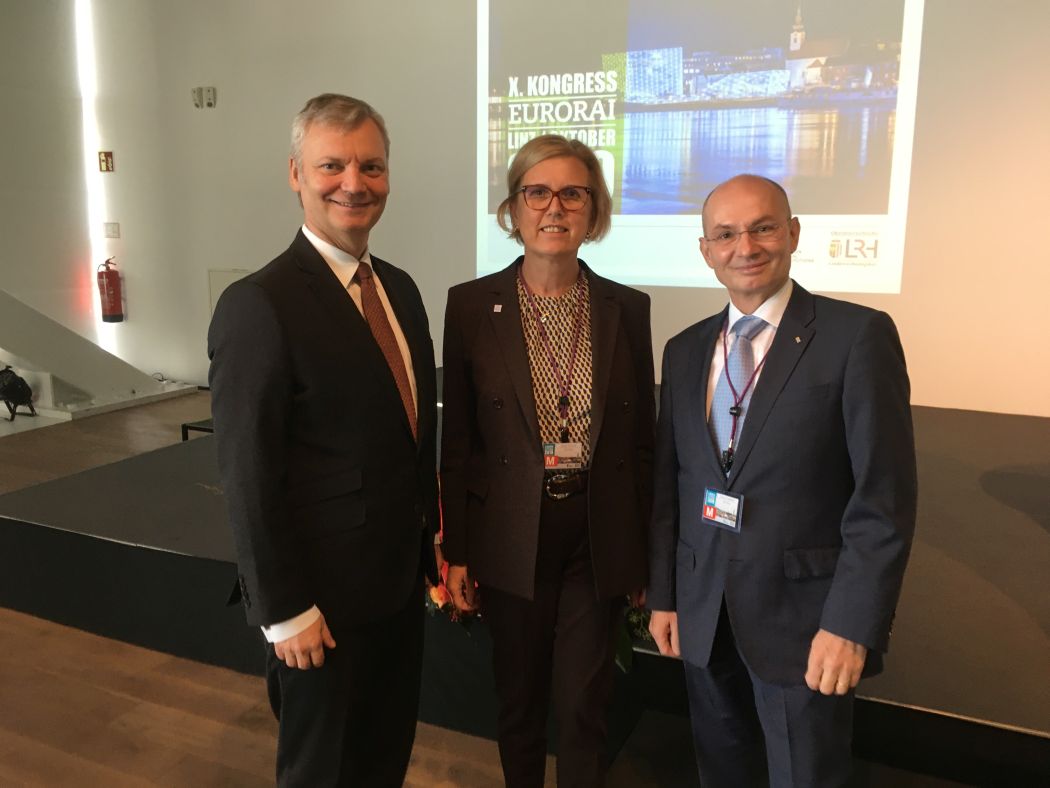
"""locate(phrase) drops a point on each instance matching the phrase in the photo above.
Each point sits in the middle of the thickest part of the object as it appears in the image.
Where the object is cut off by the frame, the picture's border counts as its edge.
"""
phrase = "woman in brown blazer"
(546, 461)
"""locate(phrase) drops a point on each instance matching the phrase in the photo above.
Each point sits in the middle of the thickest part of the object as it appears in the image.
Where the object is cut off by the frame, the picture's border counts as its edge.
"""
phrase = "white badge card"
(722, 509)
(563, 456)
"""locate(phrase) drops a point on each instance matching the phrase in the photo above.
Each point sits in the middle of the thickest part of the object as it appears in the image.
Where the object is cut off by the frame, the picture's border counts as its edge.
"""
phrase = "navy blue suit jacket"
(826, 465)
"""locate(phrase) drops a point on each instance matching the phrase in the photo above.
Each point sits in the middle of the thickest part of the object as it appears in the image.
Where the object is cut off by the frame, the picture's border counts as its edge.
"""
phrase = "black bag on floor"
(15, 392)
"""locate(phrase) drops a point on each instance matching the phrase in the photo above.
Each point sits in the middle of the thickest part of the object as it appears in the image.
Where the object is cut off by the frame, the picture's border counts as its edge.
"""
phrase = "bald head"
(744, 183)
(749, 237)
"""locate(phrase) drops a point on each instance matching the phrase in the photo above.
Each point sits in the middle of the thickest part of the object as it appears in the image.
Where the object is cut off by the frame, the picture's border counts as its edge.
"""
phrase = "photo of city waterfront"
(805, 93)
(831, 160)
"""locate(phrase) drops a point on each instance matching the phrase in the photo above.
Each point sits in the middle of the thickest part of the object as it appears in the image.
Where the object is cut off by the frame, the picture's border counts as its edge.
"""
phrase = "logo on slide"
(859, 249)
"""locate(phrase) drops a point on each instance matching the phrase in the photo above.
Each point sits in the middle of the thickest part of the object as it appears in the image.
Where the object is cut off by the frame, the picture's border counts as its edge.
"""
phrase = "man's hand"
(835, 664)
(663, 626)
(637, 598)
(306, 650)
(461, 585)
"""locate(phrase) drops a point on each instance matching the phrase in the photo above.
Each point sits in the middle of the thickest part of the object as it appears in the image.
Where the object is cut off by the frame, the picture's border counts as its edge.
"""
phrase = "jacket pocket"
(323, 488)
(807, 563)
(476, 481)
(807, 395)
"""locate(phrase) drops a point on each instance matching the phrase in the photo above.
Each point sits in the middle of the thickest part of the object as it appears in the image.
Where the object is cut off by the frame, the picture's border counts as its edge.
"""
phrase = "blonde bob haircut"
(550, 146)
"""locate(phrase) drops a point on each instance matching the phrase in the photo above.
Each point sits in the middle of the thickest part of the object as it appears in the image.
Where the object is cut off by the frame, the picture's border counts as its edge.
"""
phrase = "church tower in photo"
(798, 31)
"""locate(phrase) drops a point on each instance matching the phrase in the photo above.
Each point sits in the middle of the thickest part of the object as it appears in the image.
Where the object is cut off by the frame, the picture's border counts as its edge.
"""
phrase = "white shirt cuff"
(283, 630)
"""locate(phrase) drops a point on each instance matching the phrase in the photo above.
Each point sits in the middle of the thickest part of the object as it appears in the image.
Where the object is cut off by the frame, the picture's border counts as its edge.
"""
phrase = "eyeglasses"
(538, 197)
(763, 232)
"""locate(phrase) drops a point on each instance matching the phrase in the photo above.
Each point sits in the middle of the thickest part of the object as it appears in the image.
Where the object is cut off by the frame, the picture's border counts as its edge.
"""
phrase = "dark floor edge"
(960, 717)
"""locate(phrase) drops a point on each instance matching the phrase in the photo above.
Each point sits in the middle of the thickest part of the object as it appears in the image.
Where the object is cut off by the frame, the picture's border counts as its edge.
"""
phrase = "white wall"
(200, 189)
(44, 255)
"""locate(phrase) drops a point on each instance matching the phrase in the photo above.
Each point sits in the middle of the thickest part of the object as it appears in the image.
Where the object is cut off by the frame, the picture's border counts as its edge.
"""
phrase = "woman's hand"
(461, 585)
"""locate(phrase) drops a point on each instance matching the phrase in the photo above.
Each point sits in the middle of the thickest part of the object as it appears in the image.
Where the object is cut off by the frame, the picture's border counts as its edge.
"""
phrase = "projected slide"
(675, 96)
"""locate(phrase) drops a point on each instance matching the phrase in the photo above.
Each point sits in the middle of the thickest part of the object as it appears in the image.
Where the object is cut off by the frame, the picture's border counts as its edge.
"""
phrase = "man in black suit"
(781, 526)
(324, 399)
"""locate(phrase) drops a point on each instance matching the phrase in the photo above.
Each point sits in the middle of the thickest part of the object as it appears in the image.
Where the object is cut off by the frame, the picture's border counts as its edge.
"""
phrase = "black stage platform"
(139, 550)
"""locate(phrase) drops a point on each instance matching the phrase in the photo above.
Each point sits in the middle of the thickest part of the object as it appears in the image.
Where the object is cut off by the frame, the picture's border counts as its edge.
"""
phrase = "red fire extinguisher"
(109, 291)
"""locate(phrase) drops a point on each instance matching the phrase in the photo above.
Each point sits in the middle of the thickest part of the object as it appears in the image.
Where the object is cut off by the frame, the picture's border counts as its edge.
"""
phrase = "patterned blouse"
(559, 315)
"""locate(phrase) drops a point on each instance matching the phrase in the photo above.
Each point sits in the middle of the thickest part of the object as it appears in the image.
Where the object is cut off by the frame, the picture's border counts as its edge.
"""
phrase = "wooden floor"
(58, 450)
(81, 710)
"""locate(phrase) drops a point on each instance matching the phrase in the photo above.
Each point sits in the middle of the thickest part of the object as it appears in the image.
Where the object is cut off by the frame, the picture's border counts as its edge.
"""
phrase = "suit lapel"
(790, 342)
(350, 327)
(605, 327)
(506, 324)
(329, 292)
(698, 372)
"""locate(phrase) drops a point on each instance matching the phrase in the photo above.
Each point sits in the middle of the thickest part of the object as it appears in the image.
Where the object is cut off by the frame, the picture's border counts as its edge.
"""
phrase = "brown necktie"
(377, 321)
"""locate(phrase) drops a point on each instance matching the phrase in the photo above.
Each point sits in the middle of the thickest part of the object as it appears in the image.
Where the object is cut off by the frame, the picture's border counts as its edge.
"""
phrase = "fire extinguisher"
(109, 291)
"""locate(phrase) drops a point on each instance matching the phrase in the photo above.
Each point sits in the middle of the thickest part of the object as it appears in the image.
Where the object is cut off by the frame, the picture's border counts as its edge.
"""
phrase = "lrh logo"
(855, 248)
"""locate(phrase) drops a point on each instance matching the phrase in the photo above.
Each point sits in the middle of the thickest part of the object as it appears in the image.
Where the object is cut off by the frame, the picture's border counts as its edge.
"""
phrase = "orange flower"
(439, 596)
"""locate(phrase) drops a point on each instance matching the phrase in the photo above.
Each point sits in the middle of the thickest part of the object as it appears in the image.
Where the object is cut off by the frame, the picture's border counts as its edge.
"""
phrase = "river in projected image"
(831, 160)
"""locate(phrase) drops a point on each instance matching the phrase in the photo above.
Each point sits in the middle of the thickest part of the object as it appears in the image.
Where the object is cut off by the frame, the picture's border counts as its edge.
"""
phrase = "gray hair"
(334, 109)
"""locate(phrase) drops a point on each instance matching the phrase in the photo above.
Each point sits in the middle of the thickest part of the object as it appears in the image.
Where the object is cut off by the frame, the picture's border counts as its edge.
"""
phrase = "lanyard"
(736, 410)
(564, 382)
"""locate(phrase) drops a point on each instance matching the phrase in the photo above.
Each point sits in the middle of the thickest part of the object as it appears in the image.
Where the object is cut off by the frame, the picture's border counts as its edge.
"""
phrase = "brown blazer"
(491, 454)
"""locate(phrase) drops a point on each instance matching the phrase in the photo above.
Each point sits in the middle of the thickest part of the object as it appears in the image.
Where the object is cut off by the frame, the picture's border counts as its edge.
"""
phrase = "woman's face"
(553, 232)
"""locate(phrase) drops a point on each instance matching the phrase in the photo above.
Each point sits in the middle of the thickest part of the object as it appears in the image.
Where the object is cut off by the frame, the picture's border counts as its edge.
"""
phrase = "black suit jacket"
(331, 500)
(491, 454)
(826, 465)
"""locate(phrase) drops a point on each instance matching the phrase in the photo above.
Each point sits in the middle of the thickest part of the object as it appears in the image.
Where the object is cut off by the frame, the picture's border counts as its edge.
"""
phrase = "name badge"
(722, 509)
(563, 456)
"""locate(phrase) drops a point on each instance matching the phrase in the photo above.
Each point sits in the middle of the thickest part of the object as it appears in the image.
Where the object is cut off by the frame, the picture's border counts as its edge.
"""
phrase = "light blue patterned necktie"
(740, 367)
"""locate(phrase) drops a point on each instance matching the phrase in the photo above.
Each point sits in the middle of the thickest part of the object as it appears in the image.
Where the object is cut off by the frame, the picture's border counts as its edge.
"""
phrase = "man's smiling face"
(343, 182)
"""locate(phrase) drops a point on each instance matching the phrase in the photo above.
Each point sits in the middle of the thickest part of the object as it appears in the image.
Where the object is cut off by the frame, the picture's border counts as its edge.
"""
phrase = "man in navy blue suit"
(784, 505)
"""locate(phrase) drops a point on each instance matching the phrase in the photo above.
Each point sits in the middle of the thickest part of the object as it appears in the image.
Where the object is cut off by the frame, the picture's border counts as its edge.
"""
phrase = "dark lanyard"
(736, 410)
(564, 382)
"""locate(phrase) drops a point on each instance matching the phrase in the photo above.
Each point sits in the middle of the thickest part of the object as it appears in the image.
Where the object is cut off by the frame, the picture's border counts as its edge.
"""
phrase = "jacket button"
(619, 465)
(503, 460)
(497, 402)
(626, 406)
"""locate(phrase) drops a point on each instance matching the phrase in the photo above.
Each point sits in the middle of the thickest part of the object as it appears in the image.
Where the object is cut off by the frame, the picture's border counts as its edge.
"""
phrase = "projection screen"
(677, 95)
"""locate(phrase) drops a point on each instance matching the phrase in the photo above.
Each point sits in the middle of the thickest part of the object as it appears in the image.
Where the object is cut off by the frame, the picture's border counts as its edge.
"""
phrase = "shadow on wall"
(1025, 488)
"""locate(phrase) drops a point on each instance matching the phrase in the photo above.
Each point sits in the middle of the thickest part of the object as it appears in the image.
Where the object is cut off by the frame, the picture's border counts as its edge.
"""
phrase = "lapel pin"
(798, 340)
(497, 308)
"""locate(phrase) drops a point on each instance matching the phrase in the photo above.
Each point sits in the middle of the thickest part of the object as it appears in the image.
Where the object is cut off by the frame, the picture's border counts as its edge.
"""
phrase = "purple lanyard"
(736, 410)
(564, 382)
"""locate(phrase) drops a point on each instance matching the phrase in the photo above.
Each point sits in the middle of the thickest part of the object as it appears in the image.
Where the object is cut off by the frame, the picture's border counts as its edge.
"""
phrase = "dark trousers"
(352, 721)
(562, 640)
(748, 732)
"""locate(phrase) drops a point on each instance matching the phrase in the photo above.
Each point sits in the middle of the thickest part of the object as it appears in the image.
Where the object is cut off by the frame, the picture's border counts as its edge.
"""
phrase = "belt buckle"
(557, 477)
